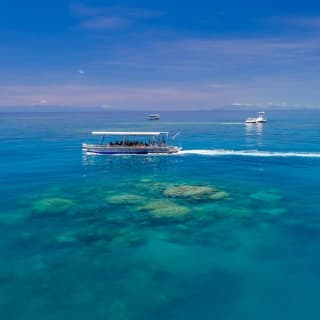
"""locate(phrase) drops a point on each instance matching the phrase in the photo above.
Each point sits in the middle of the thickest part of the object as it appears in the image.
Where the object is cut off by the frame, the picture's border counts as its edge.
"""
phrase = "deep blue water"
(228, 229)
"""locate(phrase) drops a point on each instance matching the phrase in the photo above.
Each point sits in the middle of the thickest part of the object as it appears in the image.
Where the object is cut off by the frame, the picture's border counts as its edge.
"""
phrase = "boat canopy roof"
(127, 133)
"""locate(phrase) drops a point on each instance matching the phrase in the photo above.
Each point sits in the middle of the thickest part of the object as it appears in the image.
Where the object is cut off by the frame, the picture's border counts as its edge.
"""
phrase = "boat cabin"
(132, 139)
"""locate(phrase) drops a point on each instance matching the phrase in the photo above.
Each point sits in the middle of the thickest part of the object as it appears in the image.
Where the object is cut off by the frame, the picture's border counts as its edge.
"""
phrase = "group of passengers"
(132, 143)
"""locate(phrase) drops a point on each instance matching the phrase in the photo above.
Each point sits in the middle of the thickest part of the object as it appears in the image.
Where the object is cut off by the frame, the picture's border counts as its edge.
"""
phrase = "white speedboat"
(131, 143)
(154, 117)
(260, 119)
(251, 120)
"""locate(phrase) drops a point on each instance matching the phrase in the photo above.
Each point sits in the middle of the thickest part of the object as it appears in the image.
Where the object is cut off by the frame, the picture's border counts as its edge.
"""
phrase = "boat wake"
(249, 153)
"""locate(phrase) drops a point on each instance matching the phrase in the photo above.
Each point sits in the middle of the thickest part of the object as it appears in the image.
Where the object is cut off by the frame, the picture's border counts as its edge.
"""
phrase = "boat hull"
(251, 121)
(108, 150)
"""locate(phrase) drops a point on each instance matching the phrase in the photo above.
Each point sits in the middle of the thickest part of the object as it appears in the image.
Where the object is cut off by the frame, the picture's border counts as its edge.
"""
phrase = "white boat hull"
(110, 150)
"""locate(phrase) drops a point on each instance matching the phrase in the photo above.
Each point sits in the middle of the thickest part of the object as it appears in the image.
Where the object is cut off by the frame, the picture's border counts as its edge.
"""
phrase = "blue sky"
(160, 54)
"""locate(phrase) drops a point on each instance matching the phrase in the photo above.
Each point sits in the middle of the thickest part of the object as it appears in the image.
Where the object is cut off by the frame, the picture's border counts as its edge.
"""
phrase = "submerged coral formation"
(125, 199)
(219, 195)
(165, 209)
(114, 219)
(189, 191)
(52, 205)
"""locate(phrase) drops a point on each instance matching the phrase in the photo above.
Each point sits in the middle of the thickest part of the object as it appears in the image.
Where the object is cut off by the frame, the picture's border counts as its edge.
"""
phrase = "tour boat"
(130, 143)
(153, 116)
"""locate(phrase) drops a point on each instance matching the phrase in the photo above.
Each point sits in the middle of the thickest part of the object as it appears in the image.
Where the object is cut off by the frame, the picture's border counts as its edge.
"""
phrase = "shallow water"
(227, 229)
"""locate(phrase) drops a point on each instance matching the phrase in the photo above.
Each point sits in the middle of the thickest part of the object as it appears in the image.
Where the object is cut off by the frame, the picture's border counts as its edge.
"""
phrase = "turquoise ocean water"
(228, 229)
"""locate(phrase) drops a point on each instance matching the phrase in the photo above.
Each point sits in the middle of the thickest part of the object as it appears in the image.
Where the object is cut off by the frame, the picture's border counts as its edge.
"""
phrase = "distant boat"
(260, 119)
(154, 117)
(251, 120)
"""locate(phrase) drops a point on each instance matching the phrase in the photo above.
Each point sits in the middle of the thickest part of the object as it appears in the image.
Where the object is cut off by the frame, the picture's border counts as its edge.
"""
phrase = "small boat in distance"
(131, 143)
(154, 117)
(260, 119)
(251, 120)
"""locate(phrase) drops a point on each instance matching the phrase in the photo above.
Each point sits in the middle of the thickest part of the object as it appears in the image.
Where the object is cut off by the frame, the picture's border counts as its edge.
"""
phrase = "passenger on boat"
(132, 143)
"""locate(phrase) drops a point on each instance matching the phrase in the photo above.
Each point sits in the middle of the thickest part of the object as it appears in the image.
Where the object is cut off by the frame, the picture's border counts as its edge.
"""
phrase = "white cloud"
(156, 97)
(104, 23)
(81, 71)
(301, 21)
(81, 10)
(33, 100)
(227, 60)
(239, 104)
(135, 97)
(219, 86)
(105, 18)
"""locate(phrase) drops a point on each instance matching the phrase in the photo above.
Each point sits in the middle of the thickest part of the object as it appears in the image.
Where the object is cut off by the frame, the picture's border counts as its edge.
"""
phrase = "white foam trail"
(250, 153)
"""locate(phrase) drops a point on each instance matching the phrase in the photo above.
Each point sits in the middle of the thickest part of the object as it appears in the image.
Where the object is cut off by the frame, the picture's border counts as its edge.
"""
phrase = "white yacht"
(130, 143)
(260, 119)
(154, 117)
